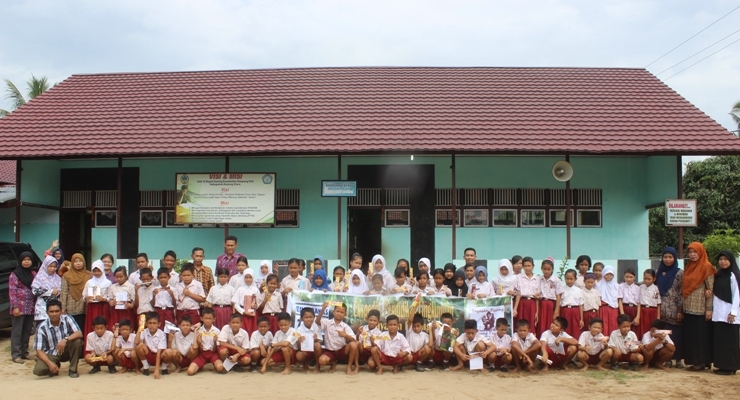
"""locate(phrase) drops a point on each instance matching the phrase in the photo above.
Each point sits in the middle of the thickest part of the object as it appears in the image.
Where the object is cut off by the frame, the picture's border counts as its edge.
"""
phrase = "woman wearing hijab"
(96, 296)
(669, 280)
(449, 282)
(73, 284)
(726, 306)
(459, 288)
(357, 283)
(46, 286)
(57, 254)
(320, 274)
(505, 284)
(22, 304)
(698, 278)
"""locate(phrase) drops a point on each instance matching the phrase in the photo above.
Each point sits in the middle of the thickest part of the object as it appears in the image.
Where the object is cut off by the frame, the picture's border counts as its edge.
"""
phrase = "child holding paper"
(624, 344)
(418, 341)
(206, 340)
(471, 344)
(183, 348)
(524, 346)
(481, 289)
(592, 346)
(271, 302)
(339, 339)
(657, 346)
(310, 340)
(150, 344)
(121, 297)
(441, 338)
(219, 298)
(234, 344)
(125, 347)
(99, 347)
(163, 299)
(283, 346)
(96, 297)
(390, 348)
(339, 285)
(144, 293)
(260, 341)
(364, 333)
(401, 286)
(244, 301)
(553, 344)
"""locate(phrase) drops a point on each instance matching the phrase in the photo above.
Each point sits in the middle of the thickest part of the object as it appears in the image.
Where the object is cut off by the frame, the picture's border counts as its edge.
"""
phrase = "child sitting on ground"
(183, 348)
(502, 342)
(234, 343)
(125, 352)
(260, 341)
(309, 331)
(206, 339)
(624, 344)
(390, 348)
(524, 346)
(592, 346)
(553, 345)
(150, 344)
(471, 344)
(99, 346)
(283, 346)
(657, 346)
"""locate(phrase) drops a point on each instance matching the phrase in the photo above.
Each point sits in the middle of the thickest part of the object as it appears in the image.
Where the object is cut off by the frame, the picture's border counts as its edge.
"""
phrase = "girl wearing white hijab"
(97, 304)
(265, 269)
(609, 290)
(504, 284)
(239, 300)
(428, 265)
(357, 283)
(389, 282)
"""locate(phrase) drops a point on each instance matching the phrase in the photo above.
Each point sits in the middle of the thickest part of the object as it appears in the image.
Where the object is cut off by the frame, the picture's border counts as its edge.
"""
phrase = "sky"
(58, 38)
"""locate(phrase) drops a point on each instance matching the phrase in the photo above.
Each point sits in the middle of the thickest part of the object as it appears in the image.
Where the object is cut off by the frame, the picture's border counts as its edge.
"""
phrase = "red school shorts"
(185, 362)
(557, 359)
(336, 355)
(128, 363)
(365, 354)
(232, 352)
(388, 360)
(278, 357)
(438, 356)
(593, 359)
(415, 357)
(151, 358)
(206, 357)
(625, 358)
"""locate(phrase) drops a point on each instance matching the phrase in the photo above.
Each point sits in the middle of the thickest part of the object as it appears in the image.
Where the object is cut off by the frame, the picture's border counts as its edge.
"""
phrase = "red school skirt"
(165, 314)
(573, 315)
(249, 324)
(117, 315)
(632, 312)
(527, 309)
(272, 317)
(193, 314)
(609, 315)
(587, 317)
(547, 308)
(99, 309)
(647, 316)
(223, 315)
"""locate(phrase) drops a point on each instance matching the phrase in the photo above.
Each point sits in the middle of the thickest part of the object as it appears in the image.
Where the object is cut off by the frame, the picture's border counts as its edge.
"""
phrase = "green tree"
(715, 184)
(34, 86)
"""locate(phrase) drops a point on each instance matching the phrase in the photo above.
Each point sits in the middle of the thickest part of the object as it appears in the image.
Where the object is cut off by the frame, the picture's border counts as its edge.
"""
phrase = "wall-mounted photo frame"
(150, 219)
(106, 219)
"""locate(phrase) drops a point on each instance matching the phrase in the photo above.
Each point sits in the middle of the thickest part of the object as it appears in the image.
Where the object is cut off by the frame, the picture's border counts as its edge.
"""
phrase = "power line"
(691, 56)
(738, 40)
(695, 35)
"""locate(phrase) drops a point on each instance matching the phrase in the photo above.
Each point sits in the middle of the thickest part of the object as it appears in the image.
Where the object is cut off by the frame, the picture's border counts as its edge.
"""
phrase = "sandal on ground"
(18, 361)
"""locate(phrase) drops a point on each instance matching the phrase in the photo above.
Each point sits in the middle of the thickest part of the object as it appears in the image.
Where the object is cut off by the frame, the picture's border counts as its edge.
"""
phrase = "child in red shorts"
(471, 344)
(283, 346)
(554, 344)
(183, 348)
(150, 344)
(437, 329)
(501, 340)
(99, 346)
(260, 341)
(390, 348)
(624, 344)
(418, 341)
(234, 343)
(311, 332)
(339, 339)
(125, 351)
(592, 346)
(206, 339)
(363, 336)
(524, 346)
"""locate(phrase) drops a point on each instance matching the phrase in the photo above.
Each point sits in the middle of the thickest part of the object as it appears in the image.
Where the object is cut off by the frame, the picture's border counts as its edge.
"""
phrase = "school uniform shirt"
(630, 294)
(649, 295)
(417, 340)
(425, 292)
(470, 344)
(528, 287)
(127, 345)
(338, 287)
(571, 296)
(258, 339)
(527, 342)
(220, 295)
(186, 302)
(403, 289)
(274, 305)
(314, 329)
(238, 339)
(551, 287)
(479, 288)
(591, 299)
(99, 344)
(145, 299)
(238, 299)
(163, 299)
(182, 343)
(580, 281)
(550, 338)
(297, 283)
(364, 337)
(237, 281)
(135, 278)
(377, 292)
(443, 291)
(503, 342)
(155, 342)
(393, 345)
(647, 338)
(470, 282)
(594, 343)
(89, 285)
(290, 336)
(127, 288)
(624, 344)
(174, 278)
(332, 340)
(209, 337)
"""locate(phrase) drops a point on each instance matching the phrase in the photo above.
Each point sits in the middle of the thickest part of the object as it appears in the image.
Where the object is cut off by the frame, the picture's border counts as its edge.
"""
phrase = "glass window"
(504, 217)
(476, 218)
(557, 218)
(533, 218)
(589, 218)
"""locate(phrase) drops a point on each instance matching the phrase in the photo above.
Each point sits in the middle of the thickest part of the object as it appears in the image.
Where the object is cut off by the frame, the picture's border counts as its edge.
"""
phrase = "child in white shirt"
(471, 344)
(501, 340)
(624, 344)
(553, 345)
(309, 331)
(592, 346)
(390, 348)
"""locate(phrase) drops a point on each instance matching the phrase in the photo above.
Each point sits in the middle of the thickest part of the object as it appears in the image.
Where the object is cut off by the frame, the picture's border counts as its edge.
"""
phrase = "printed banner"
(225, 198)
(485, 311)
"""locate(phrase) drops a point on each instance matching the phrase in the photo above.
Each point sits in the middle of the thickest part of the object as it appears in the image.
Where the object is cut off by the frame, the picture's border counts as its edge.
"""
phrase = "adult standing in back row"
(698, 280)
(229, 258)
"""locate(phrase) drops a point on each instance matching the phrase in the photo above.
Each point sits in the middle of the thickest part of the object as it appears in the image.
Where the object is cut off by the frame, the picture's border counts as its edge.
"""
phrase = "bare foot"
(351, 371)
(516, 370)
(645, 368)
(661, 366)
(546, 369)
(585, 368)
(600, 368)
(317, 370)
(305, 368)
(123, 370)
(456, 367)
(264, 368)
(333, 367)
(395, 369)
(528, 367)
(380, 371)
(287, 371)
(564, 367)
(484, 370)
(138, 371)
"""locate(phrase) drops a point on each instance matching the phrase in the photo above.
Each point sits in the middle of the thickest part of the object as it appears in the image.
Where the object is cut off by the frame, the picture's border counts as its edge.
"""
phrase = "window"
(396, 218)
(286, 218)
(533, 218)
(557, 218)
(589, 218)
(150, 219)
(504, 217)
(171, 220)
(476, 218)
(106, 219)
(444, 217)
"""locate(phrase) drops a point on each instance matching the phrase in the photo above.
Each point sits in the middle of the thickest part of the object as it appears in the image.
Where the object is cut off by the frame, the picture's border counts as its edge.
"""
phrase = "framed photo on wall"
(150, 219)
(106, 219)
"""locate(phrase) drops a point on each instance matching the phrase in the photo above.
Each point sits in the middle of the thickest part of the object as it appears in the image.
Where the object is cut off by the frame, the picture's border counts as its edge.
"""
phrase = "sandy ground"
(19, 382)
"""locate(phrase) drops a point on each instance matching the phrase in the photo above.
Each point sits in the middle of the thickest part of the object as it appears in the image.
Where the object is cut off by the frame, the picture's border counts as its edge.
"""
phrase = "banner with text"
(225, 198)
(485, 311)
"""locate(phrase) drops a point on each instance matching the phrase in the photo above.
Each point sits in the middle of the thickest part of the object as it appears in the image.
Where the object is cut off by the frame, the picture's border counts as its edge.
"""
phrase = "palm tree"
(735, 114)
(35, 87)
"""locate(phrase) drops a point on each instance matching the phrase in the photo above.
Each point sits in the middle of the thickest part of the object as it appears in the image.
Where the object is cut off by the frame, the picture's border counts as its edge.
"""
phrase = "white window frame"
(550, 219)
(385, 218)
(512, 210)
(522, 219)
(457, 211)
(601, 220)
(115, 212)
(161, 220)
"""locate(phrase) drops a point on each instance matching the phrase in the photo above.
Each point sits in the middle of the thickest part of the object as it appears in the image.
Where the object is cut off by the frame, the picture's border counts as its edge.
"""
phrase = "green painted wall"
(39, 227)
(662, 182)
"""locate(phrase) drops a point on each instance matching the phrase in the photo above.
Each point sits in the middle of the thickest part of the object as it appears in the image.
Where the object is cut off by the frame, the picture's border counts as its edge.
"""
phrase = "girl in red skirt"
(649, 303)
(271, 302)
(96, 297)
(245, 301)
(571, 304)
(528, 293)
(609, 290)
(219, 298)
(629, 299)
(591, 301)
(552, 290)
(121, 296)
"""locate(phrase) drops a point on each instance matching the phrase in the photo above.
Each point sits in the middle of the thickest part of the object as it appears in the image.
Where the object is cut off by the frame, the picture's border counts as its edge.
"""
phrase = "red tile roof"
(7, 172)
(363, 110)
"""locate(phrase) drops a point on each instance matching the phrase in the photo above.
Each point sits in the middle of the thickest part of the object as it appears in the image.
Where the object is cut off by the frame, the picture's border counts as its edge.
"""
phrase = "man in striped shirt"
(58, 339)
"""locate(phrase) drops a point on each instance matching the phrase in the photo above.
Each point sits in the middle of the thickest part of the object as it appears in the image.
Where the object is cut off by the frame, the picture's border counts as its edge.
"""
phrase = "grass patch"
(620, 376)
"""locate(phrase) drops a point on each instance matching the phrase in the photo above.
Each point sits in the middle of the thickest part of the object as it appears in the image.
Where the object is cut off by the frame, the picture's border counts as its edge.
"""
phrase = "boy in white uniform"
(234, 343)
(125, 352)
(553, 345)
(99, 346)
(183, 348)
(390, 348)
(418, 341)
(260, 341)
(657, 346)
(309, 331)
(624, 344)
(283, 346)
(471, 344)
(592, 346)
(524, 346)
(502, 356)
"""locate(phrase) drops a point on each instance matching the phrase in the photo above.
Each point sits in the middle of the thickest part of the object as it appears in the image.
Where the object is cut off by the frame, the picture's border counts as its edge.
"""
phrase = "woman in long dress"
(698, 280)
(725, 321)
(669, 280)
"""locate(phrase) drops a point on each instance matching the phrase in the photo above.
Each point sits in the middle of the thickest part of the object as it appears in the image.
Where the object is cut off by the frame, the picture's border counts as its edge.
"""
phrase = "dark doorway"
(420, 180)
(364, 232)
(75, 228)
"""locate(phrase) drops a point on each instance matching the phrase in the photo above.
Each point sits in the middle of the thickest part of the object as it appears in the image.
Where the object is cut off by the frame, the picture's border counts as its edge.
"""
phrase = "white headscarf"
(383, 271)
(427, 263)
(101, 282)
(260, 277)
(608, 290)
(508, 280)
(357, 289)
(254, 285)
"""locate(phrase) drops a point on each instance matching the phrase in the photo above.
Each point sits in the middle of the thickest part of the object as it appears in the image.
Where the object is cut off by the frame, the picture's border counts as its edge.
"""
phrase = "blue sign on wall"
(338, 188)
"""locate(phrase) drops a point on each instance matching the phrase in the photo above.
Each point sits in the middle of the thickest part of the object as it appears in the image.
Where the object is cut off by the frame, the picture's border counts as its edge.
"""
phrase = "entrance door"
(75, 226)
(364, 233)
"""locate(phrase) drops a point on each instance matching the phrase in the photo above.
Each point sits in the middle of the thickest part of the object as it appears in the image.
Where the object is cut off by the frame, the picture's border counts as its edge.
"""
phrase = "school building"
(95, 160)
